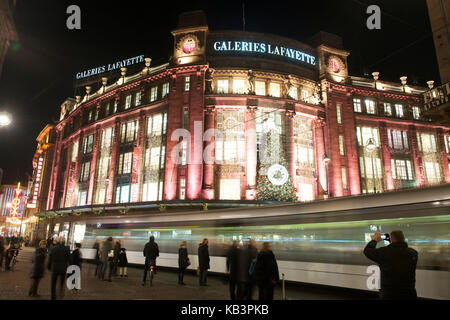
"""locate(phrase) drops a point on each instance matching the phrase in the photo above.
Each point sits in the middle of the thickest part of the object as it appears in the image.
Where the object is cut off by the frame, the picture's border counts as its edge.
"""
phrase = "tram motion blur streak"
(319, 242)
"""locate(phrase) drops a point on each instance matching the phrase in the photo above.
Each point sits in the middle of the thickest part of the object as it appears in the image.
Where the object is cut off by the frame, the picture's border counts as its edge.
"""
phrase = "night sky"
(39, 69)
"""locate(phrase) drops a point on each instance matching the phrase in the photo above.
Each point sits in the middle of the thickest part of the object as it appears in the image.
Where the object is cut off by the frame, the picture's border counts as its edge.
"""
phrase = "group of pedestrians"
(110, 257)
(247, 267)
(58, 258)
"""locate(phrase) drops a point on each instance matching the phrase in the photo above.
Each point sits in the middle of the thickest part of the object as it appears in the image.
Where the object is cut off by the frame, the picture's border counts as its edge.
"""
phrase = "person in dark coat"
(183, 262)
(397, 266)
(105, 248)
(75, 256)
(49, 242)
(151, 252)
(266, 272)
(123, 262)
(232, 268)
(76, 259)
(37, 268)
(246, 282)
(203, 261)
(58, 261)
(117, 247)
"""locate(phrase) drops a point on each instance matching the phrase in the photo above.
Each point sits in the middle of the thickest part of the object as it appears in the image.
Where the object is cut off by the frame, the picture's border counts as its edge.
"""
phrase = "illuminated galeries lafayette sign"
(264, 48)
(110, 67)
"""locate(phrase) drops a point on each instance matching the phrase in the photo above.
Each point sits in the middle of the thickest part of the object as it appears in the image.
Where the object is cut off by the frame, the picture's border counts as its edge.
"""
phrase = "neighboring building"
(8, 31)
(122, 143)
(9, 226)
(437, 99)
(39, 183)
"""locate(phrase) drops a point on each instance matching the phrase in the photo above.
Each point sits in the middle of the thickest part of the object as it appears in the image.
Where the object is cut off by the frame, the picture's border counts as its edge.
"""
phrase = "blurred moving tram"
(319, 242)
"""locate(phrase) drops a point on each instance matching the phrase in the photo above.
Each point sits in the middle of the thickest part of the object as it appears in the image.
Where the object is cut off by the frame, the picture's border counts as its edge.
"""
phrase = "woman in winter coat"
(38, 267)
(123, 263)
(183, 261)
(266, 272)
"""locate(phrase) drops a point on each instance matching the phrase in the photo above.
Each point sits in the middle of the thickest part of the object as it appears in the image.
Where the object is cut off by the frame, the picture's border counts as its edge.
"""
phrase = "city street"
(15, 285)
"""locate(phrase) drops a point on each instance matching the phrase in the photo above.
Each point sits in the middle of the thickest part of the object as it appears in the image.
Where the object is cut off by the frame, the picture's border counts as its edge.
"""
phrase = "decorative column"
(92, 183)
(250, 143)
(171, 167)
(195, 156)
(416, 157)
(321, 174)
(137, 174)
(77, 168)
(386, 156)
(208, 166)
(54, 174)
(443, 153)
(112, 166)
(290, 147)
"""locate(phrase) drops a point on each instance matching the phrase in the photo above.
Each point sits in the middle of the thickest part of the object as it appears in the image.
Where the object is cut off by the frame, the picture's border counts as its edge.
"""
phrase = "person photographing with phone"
(397, 265)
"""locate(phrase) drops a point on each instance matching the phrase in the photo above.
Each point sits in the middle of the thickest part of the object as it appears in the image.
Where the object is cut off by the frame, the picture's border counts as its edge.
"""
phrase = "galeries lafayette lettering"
(110, 67)
(265, 48)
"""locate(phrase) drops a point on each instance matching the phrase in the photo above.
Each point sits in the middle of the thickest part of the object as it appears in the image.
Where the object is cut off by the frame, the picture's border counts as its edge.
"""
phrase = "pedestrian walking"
(203, 261)
(183, 262)
(106, 247)
(58, 261)
(37, 268)
(232, 268)
(123, 262)
(151, 252)
(117, 247)
(397, 266)
(266, 272)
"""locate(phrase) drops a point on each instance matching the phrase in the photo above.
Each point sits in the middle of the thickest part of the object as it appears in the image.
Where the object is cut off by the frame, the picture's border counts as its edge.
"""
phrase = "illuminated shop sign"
(110, 67)
(264, 48)
(14, 215)
(37, 183)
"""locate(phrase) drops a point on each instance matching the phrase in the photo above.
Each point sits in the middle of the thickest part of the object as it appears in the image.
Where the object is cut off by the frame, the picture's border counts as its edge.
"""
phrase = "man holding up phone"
(397, 266)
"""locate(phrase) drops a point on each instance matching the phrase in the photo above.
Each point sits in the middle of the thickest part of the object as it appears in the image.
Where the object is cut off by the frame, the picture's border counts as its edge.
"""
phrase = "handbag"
(188, 262)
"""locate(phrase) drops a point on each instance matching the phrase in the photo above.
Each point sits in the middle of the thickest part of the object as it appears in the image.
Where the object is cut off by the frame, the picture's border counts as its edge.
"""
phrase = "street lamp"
(370, 148)
(5, 119)
(326, 160)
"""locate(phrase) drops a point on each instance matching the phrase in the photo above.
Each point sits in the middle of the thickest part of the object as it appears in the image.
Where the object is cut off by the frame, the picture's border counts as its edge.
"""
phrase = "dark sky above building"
(39, 69)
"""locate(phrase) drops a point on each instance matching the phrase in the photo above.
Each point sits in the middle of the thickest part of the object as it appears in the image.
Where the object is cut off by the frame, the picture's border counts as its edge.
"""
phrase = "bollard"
(283, 288)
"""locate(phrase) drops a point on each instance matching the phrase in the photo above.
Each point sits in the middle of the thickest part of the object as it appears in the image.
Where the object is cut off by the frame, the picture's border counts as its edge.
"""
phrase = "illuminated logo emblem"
(277, 174)
(189, 45)
(334, 65)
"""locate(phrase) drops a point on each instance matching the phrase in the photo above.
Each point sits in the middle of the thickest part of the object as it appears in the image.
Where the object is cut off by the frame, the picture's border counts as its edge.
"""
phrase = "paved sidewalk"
(15, 285)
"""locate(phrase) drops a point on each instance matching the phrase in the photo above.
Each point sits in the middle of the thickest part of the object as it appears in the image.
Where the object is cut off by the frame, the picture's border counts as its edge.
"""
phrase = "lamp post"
(326, 160)
(370, 148)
